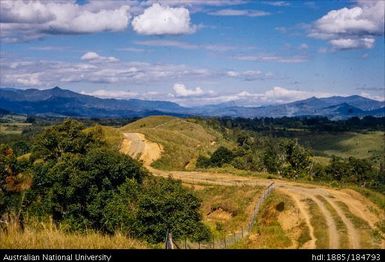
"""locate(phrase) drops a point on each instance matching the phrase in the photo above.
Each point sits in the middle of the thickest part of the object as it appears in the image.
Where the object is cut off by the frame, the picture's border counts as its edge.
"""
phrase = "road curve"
(135, 145)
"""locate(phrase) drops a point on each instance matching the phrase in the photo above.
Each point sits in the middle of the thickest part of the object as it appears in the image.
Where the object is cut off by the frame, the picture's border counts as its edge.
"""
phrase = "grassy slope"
(183, 140)
(359, 145)
(49, 237)
(268, 232)
(226, 209)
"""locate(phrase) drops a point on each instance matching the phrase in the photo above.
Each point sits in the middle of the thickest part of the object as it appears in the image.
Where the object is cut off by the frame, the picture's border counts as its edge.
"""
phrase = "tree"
(68, 137)
(298, 159)
(76, 189)
(221, 156)
(166, 206)
(14, 181)
(272, 158)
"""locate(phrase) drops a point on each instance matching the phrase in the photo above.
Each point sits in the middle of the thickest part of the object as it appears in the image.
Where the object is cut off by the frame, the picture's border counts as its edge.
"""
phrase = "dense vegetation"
(73, 177)
(284, 156)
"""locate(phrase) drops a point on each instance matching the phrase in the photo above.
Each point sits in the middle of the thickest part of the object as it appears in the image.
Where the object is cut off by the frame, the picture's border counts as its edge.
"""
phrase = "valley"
(335, 207)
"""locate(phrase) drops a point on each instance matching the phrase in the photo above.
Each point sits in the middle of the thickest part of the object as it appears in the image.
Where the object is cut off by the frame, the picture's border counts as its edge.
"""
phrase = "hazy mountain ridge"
(60, 102)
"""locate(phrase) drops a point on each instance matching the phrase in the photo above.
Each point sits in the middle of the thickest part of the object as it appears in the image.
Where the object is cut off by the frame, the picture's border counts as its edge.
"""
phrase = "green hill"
(183, 140)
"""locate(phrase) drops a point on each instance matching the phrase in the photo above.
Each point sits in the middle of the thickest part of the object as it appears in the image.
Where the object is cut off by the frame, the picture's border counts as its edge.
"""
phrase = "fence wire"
(231, 238)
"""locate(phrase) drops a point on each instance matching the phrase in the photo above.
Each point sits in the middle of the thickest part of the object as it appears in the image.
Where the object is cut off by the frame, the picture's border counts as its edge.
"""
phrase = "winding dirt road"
(137, 146)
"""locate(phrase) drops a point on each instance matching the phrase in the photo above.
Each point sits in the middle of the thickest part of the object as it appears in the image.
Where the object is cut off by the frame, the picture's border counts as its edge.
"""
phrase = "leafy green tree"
(272, 158)
(221, 156)
(165, 206)
(68, 137)
(203, 162)
(298, 160)
(77, 188)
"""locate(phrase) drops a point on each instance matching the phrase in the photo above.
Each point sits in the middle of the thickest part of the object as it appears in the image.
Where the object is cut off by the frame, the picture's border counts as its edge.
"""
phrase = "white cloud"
(167, 43)
(118, 94)
(28, 20)
(185, 45)
(163, 20)
(272, 58)
(94, 57)
(131, 49)
(351, 28)
(182, 91)
(277, 3)
(303, 46)
(352, 43)
(95, 69)
(239, 12)
(274, 95)
(249, 75)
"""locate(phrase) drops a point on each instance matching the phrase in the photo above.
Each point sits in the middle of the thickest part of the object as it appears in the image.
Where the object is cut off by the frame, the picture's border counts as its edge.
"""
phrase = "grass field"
(13, 128)
(183, 140)
(359, 145)
(226, 209)
(319, 223)
(47, 236)
(277, 226)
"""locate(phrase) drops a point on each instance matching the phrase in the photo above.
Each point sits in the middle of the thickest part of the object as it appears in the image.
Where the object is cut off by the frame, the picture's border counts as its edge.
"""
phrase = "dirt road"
(137, 146)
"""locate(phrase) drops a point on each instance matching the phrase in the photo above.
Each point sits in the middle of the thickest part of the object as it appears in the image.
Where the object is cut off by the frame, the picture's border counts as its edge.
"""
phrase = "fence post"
(185, 246)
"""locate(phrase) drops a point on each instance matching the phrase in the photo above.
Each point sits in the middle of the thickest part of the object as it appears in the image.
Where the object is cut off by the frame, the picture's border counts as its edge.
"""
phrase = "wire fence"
(231, 238)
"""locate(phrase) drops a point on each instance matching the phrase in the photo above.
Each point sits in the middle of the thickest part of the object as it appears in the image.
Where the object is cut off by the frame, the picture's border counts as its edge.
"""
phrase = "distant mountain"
(3, 112)
(60, 102)
(335, 107)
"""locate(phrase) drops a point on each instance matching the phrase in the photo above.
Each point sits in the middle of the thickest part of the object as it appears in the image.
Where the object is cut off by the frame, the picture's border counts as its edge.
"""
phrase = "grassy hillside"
(112, 136)
(359, 145)
(49, 237)
(226, 209)
(183, 140)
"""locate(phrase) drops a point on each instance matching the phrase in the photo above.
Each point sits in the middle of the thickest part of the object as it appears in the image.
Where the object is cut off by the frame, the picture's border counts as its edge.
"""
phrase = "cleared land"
(359, 145)
(183, 140)
(313, 212)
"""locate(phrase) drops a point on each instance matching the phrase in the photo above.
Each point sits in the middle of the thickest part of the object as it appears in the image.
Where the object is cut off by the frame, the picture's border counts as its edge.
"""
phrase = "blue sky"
(195, 52)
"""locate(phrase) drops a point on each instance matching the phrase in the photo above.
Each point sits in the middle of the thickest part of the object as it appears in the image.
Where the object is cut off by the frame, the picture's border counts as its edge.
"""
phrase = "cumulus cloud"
(94, 57)
(239, 12)
(163, 20)
(351, 28)
(275, 95)
(182, 90)
(27, 20)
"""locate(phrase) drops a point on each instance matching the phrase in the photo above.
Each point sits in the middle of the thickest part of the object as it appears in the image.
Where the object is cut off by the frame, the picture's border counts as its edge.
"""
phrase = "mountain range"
(61, 102)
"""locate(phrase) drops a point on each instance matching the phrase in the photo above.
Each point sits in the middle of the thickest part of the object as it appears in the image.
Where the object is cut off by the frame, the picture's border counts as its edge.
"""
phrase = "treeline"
(73, 178)
(285, 124)
(287, 158)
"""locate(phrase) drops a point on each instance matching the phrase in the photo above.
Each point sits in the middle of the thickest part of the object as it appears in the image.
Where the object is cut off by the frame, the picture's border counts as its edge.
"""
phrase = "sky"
(195, 52)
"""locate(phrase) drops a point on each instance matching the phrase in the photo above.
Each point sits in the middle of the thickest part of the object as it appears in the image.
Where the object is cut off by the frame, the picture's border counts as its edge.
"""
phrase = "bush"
(165, 206)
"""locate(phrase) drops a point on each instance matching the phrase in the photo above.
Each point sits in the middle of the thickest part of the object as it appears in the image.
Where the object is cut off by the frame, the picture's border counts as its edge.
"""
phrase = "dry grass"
(183, 140)
(270, 231)
(341, 227)
(226, 209)
(319, 223)
(50, 237)
(369, 237)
